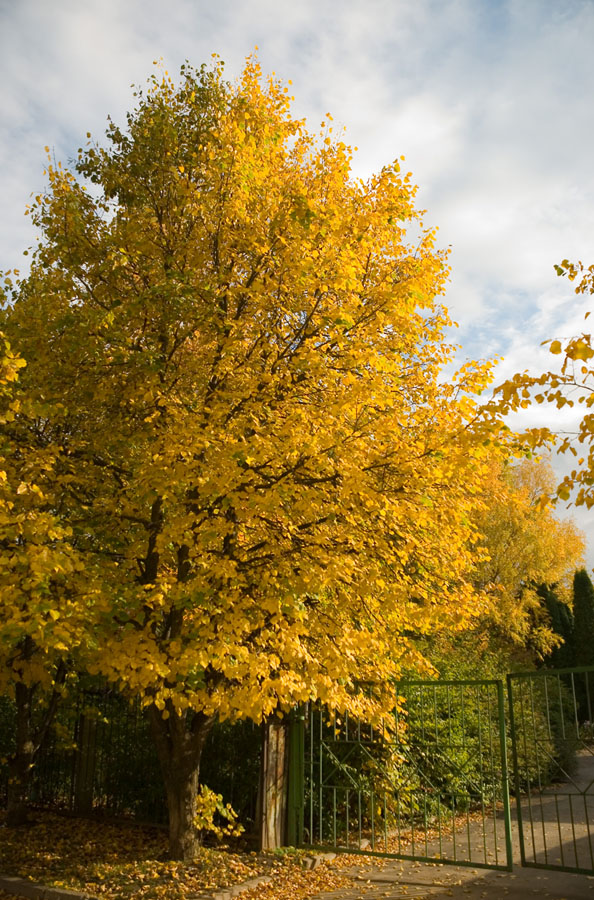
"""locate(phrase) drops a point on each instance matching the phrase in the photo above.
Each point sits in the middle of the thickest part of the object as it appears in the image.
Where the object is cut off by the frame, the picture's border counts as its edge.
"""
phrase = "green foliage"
(437, 756)
(562, 622)
(583, 613)
(214, 816)
(543, 717)
(547, 739)
(230, 765)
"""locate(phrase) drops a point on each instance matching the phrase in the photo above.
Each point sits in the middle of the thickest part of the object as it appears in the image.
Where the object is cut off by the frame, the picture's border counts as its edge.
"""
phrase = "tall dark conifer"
(583, 613)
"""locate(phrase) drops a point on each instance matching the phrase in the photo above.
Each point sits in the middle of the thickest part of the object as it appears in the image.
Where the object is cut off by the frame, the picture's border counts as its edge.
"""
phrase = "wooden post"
(274, 772)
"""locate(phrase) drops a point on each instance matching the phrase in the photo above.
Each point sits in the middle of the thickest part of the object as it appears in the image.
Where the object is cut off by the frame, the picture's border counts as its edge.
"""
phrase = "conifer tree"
(583, 613)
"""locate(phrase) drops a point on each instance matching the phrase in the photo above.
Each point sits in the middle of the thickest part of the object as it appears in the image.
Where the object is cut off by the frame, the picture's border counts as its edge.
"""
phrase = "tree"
(562, 624)
(239, 358)
(525, 549)
(572, 385)
(527, 546)
(583, 641)
(583, 614)
(45, 610)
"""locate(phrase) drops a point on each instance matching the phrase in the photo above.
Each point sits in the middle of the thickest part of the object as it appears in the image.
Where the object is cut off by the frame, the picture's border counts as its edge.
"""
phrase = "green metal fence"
(99, 757)
(429, 784)
(551, 718)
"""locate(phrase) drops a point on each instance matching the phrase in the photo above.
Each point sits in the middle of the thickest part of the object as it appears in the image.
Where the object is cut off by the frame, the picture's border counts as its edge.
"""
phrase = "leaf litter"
(126, 860)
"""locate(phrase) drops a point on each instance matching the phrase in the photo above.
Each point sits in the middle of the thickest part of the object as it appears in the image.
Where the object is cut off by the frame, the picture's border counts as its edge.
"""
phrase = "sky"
(489, 101)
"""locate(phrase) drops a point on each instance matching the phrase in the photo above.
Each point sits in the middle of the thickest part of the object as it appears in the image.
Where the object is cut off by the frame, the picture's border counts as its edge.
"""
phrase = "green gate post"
(504, 776)
(296, 789)
(514, 740)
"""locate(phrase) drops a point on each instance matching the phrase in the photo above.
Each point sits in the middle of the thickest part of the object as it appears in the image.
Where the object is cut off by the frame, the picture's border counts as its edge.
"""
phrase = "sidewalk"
(391, 879)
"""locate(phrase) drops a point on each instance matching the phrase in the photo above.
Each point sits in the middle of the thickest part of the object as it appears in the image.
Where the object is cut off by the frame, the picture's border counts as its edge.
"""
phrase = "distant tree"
(525, 544)
(583, 613)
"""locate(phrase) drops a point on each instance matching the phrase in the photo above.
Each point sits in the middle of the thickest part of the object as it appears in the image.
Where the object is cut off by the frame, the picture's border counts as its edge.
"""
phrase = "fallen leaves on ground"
(295, 883)
(124, 860)
(121, 860)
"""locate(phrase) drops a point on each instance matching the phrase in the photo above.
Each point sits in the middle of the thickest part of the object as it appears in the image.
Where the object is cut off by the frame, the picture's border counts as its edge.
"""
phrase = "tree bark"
(179, 740)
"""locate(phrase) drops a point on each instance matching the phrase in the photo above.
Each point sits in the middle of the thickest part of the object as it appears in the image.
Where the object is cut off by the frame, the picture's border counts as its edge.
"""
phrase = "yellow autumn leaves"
(570, 387)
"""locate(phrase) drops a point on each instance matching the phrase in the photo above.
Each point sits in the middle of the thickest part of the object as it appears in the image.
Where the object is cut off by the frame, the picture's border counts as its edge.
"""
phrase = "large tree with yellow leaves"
(239, 356)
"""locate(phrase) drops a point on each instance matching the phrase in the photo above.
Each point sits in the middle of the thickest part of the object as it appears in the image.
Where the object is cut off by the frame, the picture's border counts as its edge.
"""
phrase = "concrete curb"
(32, 890)
(308, 862)
(312, 862)
(20, 887)
(236, 890)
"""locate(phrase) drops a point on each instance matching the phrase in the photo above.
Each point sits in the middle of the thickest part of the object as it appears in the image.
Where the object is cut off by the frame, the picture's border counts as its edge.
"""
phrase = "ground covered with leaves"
(124, 860)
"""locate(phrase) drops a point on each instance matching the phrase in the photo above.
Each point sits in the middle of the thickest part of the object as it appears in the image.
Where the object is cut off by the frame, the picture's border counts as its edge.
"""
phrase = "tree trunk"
(29, 741)
(272, 800)
(179, 740)
(21, 762)
(19, 770)
(181, 788)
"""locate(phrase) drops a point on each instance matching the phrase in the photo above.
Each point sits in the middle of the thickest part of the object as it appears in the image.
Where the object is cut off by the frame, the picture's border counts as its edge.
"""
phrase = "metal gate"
(429, 784)
(553, 760)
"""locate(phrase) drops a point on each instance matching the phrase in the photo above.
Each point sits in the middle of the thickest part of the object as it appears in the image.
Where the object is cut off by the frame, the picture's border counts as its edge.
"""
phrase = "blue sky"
(490, 102)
